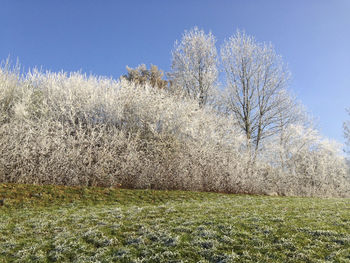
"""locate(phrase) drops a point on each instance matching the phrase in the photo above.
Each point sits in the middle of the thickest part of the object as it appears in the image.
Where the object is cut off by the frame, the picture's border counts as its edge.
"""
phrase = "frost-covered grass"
(66, 224)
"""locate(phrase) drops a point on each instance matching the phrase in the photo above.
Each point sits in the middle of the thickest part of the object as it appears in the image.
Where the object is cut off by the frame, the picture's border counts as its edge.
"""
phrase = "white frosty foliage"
(79, 130)
(73, 129)
(308, 160)
(194, 65)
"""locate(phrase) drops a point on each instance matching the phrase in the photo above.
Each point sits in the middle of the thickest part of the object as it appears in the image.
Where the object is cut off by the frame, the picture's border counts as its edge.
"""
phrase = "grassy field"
(65, 224)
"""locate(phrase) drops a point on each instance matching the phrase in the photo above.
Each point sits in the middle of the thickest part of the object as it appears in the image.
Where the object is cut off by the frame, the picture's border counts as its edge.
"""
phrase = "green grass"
(66, 224)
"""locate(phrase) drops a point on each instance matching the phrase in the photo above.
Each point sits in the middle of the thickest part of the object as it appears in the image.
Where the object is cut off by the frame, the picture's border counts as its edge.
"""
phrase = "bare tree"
(255, 93)
(194, 65)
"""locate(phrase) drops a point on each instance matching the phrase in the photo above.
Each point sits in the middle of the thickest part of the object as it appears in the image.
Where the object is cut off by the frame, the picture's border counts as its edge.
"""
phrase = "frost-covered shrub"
(320, 172)
(80, 130)
(73, 129)
(10, 91)
(306, 164)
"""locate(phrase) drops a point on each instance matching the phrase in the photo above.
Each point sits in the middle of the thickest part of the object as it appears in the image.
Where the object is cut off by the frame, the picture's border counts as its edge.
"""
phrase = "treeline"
(186, 131)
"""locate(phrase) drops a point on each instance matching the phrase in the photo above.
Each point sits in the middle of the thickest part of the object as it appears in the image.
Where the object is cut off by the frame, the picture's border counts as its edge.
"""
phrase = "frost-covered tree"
(255, 93)
(194, 65)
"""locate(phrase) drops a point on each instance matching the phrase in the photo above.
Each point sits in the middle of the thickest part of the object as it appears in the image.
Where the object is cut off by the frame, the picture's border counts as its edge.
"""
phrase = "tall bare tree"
(256, 94)
(194, 65)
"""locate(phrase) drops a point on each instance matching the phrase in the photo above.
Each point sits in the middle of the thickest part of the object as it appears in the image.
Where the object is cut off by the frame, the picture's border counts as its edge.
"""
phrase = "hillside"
(72, 224)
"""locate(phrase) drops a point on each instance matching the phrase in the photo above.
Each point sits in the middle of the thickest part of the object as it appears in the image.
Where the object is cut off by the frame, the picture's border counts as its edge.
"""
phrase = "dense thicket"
(71, 129)
(77, 130)
(140, 132)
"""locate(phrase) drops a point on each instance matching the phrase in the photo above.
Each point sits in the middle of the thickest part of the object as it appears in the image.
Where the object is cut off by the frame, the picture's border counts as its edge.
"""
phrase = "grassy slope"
(50, 223)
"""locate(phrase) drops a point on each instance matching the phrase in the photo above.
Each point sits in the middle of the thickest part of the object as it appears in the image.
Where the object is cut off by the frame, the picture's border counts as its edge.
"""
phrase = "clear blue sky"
(102, 37)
